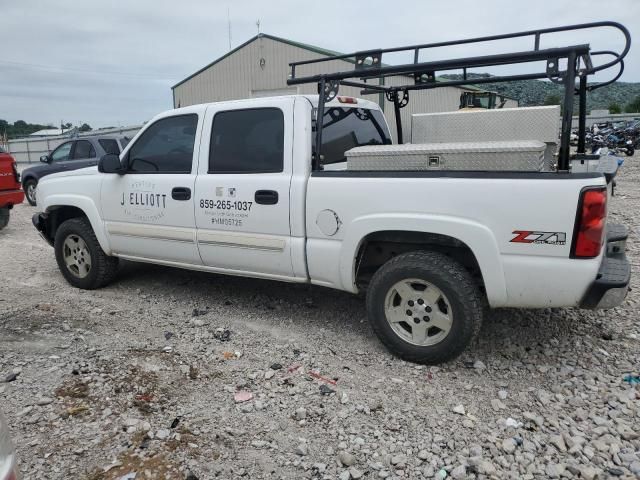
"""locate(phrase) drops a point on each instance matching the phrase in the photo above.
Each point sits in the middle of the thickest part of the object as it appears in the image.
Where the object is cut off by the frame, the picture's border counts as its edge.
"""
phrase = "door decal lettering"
(142, 202)
(228, 213)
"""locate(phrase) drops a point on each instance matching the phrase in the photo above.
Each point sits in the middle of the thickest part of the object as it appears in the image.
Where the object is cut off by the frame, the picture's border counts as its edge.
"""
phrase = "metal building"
(259, 68)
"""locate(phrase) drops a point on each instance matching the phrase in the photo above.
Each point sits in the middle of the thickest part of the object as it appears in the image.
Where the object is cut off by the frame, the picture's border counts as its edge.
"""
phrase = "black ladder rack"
(368, 65)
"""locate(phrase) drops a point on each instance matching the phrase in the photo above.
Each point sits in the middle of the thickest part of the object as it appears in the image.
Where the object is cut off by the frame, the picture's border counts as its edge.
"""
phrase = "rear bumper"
(39, 221)
(611, 285)
(9, 198)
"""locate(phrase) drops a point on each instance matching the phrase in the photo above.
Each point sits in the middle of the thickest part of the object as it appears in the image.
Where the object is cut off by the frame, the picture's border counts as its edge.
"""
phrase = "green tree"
(67, 126)
(85, 127)
(633, 106)
(615, 108)
(552, 99)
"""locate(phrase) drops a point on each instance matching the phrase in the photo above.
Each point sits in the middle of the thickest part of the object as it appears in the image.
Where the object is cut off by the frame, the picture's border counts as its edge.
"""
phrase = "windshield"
(346, 128)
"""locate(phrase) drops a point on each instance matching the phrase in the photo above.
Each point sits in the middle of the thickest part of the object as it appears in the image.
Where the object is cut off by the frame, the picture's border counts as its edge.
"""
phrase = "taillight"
(350, 100)
(589, 229)
(15, 172)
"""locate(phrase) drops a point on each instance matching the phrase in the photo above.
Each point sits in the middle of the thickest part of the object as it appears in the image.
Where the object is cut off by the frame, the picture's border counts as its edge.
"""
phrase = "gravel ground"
(174, 374)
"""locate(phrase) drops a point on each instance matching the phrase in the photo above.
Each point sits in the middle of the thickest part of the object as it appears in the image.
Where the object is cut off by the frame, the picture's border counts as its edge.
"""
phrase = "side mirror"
(45, 159)
(110, 163)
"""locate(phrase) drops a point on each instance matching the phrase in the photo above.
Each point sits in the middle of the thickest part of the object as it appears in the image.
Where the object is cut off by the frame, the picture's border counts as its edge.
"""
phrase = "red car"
(10, 190)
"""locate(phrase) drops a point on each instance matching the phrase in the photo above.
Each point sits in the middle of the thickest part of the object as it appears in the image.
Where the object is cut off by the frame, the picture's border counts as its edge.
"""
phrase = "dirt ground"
(139, 379)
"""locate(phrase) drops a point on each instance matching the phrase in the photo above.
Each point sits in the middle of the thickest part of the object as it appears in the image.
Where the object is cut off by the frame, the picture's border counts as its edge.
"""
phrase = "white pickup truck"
(229, 188)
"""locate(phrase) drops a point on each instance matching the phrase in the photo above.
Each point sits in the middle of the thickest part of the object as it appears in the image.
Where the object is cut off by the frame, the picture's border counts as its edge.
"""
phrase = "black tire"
(4, 217)
(630, 151)
(452, 280)
(103, 267)
(31, 182)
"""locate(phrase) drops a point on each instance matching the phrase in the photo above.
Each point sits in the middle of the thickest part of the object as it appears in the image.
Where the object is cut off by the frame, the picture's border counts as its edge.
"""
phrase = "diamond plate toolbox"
(504, 124)
(525, 156)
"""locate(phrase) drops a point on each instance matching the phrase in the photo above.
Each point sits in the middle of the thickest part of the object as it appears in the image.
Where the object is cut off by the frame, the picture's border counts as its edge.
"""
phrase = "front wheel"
(425, 307)
(29, 188)
(630, 151)
(80, 257)
(4, 217)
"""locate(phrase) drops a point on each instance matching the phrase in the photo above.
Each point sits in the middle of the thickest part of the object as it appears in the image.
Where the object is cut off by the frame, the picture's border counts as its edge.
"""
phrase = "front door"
(59, 158)
(148, 211)
(242, 188)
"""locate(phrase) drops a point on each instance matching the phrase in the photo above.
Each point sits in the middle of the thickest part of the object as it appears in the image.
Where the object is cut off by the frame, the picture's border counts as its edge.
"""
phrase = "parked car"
(10, 192)
(71, 155)
(7, 456)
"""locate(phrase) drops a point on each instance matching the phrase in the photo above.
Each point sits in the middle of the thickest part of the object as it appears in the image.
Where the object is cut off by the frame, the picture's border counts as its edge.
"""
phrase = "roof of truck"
(313, 99)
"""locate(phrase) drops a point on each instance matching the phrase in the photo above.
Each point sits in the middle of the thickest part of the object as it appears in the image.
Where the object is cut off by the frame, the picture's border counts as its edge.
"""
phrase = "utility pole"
(258, 25)
(229, 26)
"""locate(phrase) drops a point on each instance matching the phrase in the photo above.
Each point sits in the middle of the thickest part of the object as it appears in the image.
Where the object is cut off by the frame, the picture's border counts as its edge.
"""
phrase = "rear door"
(82, 155)
(242, 188)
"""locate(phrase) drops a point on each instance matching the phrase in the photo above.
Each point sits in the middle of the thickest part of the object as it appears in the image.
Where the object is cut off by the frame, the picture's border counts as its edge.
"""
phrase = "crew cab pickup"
(229, 188)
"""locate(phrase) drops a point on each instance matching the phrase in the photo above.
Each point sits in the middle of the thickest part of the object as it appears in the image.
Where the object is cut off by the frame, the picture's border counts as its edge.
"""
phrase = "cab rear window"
(346, 128)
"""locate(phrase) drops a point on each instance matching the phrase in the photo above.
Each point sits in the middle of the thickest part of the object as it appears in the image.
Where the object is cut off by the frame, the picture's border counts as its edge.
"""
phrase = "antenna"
(229, 27)
(258, 25)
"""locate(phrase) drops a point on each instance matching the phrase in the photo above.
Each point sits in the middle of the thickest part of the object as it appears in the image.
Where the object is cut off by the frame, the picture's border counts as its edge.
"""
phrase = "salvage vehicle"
(71, 155)
(310, 189)
(7, 456)
(10, 192)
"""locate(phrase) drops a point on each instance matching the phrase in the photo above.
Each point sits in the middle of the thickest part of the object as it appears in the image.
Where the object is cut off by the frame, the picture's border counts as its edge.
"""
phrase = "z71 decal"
(548, 238)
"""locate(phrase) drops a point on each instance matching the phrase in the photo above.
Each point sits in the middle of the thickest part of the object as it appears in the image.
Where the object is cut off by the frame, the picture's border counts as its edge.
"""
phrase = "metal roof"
(311, 48)
(47, 132)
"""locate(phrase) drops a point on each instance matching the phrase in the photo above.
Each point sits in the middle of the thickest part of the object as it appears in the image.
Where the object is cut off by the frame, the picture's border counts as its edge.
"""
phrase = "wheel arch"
(29, 176)
(419, 231)
(60, 210)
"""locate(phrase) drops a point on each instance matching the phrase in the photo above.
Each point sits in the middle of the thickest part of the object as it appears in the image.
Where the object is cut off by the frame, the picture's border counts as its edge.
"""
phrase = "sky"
(112, 63)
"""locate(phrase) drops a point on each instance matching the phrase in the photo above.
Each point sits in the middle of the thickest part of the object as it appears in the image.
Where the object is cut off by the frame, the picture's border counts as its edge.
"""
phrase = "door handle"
(266, 197)
(181, 193)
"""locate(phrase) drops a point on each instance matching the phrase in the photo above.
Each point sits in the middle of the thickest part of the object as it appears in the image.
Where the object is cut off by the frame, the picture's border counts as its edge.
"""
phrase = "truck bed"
(482, 209)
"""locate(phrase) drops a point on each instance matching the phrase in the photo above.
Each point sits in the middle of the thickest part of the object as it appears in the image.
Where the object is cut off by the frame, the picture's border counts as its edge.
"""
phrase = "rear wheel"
(80, 257)
(29, 188)
(4, 217)
(424, 307)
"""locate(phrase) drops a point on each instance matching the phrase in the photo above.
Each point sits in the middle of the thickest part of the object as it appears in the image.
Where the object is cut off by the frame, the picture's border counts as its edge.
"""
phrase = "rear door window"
(247, 141)
(110, 145)
(83, 150)
(346, 128)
